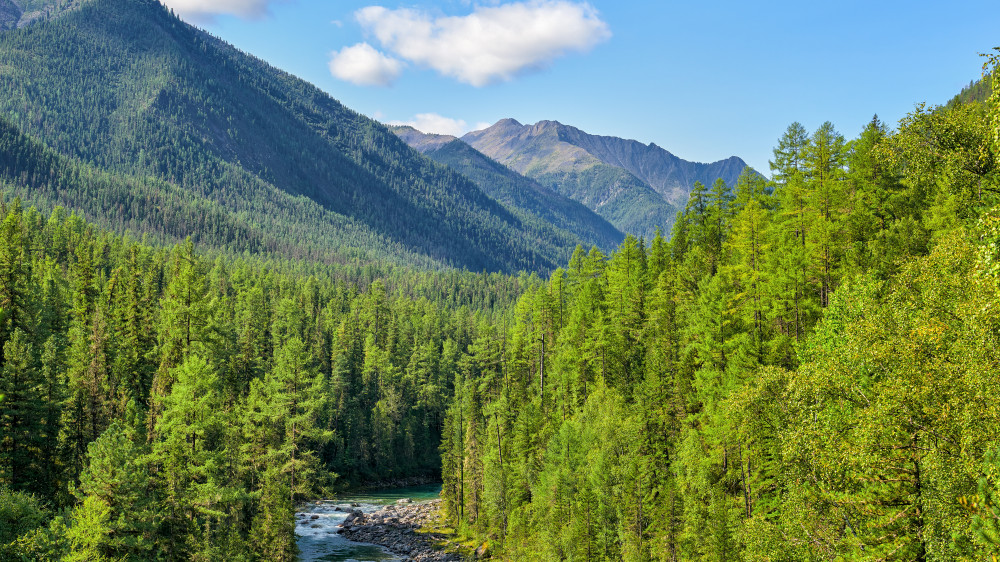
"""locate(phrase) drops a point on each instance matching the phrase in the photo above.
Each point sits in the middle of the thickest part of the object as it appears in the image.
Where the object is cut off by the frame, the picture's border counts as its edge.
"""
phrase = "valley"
(228, 302)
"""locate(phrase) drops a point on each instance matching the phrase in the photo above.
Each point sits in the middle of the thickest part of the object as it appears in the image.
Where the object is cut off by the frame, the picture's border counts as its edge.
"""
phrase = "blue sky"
(705, 80)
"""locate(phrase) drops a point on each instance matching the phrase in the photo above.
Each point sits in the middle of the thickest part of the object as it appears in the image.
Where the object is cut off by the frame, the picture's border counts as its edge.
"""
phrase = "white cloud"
(206, 10)
(492, 43)
(364, 66)
(433, 123)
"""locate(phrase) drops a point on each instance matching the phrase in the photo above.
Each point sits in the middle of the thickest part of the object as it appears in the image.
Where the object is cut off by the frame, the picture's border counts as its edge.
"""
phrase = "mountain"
(165, 212)
(637, 187)
(10, 14)
(127, 90)
(19, 13)
(514, 190)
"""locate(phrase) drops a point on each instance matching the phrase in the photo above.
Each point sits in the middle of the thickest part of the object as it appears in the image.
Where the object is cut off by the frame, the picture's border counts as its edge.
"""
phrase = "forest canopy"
(805, 368)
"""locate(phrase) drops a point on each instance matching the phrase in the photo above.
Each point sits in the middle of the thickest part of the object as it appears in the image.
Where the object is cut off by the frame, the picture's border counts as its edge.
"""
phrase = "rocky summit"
(637, 187)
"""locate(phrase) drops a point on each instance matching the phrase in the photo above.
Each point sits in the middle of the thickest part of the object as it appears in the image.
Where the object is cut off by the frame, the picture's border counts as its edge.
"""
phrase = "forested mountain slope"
(976, 91)
(19, 13)
(513, 189)
(128, 88)
(805, 368)
(162, 211)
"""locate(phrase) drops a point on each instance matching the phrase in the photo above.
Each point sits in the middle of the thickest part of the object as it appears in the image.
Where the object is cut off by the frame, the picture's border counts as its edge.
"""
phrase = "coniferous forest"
(806, 370)
(192, 342)
(161, 405)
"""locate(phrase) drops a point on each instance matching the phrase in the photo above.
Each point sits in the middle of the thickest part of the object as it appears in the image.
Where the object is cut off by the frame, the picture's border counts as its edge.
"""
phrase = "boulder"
(356, 516)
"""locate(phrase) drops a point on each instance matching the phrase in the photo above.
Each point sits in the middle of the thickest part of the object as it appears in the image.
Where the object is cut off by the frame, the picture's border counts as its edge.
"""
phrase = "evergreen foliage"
(168, 405)
(804, 371)
(122, 112)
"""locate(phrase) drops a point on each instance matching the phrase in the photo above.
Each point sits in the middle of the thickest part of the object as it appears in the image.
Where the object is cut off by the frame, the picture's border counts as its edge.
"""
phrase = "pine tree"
(183, 320)
(788, 155)
(191, 436)
(626, 295)
(22, 416)
(115, 518)
(824, 160)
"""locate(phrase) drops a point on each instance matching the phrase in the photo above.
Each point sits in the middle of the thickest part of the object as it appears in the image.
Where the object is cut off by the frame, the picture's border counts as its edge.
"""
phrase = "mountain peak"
(526, 196)
(548, 123)
(334, 183)
(420, 140)
(637, 185)
(507, 122)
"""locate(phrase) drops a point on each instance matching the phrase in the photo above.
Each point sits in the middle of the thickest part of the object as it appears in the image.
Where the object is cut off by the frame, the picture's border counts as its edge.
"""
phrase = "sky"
(705, 80)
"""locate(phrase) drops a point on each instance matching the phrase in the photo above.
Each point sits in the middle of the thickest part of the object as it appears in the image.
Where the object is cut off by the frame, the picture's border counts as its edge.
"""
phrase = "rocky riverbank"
(396, 528)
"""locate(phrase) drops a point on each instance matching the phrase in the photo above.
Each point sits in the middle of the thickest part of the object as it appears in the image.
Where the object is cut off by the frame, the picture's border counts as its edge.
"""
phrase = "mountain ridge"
(673, 182)
(144, 94)
(638, 187)
(538, 152)
(510, 188)
(645, 162)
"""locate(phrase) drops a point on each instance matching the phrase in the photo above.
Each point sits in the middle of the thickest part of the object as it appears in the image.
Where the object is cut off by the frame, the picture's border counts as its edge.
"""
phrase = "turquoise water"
(385, 497)
(316, 525)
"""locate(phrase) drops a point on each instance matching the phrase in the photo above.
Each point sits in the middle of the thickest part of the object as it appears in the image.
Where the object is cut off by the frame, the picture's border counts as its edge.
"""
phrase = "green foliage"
(803, 372)
(633, 206)
(20, 514)
(113, 519)
(120, 111)
(985, 506)
(170, 405)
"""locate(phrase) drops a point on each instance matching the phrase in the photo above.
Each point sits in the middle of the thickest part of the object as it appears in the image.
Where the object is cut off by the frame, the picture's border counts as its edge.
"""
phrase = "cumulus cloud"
(363, 65)
(491, 44)
(206, 10)
(432, 123)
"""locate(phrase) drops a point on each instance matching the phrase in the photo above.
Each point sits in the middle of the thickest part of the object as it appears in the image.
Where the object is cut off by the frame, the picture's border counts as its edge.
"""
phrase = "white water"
(318, 539)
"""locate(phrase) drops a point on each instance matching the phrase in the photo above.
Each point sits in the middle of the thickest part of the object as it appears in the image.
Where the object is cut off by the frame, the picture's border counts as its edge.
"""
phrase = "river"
(318, 538)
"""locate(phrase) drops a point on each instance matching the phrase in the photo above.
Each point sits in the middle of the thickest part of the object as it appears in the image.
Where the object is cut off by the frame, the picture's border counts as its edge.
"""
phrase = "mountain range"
(513, 189)
(125, 89)
(636, 187)
(121, 112)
